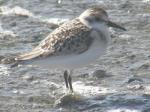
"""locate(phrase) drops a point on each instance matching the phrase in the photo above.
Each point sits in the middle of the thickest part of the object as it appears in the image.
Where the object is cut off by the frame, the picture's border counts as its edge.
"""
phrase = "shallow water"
(117, 82)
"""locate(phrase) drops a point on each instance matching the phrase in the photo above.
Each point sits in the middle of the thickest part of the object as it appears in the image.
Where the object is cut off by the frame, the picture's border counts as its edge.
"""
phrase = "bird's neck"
(100, 30)
(102, 33)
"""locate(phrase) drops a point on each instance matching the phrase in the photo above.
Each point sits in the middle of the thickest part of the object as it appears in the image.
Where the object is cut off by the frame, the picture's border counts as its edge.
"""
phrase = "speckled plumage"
(76, 43)
(72, 37)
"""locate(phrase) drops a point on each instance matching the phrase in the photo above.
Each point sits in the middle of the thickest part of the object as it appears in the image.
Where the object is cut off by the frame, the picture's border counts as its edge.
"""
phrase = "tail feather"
(31, 55)
(20, 59)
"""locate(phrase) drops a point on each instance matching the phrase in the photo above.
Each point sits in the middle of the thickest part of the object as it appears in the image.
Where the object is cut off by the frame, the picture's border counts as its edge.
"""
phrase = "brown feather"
(72, 37)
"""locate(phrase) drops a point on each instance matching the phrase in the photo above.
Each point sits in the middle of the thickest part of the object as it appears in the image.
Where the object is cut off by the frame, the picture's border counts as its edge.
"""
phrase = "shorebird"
(74, 44)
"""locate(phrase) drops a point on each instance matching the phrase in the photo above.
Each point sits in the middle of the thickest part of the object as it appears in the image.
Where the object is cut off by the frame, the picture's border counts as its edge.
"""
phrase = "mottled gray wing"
(70, 38)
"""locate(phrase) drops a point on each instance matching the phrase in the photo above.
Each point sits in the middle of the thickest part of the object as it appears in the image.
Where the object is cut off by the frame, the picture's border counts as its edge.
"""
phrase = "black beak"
(112, 24)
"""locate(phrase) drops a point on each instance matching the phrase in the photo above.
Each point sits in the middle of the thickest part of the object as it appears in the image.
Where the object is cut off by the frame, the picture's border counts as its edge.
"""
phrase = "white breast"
(97, 49)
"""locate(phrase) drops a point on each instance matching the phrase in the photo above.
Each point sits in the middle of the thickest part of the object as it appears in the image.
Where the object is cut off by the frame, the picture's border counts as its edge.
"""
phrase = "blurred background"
(117, 82)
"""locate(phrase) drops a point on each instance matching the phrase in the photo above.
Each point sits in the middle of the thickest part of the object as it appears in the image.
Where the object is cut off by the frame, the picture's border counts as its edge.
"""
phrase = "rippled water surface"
(117, 82)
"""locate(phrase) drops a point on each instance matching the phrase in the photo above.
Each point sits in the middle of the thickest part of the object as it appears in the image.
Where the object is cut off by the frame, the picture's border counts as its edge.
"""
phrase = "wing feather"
(71, 37)
(29, 55)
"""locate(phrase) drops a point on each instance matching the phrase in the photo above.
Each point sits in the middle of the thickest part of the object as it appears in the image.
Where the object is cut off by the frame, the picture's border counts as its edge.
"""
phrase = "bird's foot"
(68, 81)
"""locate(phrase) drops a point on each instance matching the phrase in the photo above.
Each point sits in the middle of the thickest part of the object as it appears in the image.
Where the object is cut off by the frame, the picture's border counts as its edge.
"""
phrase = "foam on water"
(89, 90)
(16, 10)
(4, 70)
(146, 0)
(55, 20)
(123, 110)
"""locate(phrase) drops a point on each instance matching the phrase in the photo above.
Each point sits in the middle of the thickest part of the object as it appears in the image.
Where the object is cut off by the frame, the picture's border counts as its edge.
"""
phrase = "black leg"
(70, 83)
(66, 78)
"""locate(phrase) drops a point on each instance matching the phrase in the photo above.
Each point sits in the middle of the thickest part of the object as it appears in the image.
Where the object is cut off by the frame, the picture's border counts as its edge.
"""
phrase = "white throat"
(103, 31)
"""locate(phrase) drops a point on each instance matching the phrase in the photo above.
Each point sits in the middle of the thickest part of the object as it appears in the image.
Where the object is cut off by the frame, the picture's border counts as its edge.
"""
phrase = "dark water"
(117, 82)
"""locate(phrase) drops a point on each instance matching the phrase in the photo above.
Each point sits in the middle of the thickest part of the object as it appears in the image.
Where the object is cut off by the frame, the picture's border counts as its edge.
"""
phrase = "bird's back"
(72, 37)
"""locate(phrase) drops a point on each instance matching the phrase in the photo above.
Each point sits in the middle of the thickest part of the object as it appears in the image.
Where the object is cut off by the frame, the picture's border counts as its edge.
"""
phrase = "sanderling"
(76, 43)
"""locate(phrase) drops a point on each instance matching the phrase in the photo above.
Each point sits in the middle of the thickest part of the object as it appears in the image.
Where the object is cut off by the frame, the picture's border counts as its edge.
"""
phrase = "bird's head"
(96, 18)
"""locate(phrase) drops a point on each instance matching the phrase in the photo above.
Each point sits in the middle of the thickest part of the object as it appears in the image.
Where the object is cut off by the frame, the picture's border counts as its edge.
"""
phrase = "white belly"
(97, 49)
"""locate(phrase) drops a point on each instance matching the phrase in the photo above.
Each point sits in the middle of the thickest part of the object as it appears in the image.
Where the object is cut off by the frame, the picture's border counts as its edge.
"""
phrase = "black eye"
(97, 19)
(90, 20)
